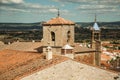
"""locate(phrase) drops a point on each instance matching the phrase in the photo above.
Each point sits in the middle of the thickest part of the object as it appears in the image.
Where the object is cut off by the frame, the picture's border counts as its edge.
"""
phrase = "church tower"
(95, 34)
(96, 42)
(58, 32)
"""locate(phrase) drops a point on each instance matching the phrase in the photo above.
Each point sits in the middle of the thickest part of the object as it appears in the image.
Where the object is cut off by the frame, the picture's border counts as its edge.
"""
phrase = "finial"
(58, 12)
(95, 17)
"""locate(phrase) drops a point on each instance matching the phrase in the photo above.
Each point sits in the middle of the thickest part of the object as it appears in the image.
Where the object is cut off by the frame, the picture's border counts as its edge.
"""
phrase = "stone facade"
(58, 35)
(96, 42)
(58, 32)
(86, 57)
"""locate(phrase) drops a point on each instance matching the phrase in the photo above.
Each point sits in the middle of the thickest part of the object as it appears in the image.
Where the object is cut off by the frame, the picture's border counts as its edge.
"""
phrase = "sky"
(31, 11)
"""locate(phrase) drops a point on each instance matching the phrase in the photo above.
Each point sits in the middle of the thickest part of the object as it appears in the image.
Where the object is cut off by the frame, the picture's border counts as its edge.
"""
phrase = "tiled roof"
(15, 63)
(67, 46)
(71, 70)
(22, 46)
(105, 57)
(79, 49)
(58, 21)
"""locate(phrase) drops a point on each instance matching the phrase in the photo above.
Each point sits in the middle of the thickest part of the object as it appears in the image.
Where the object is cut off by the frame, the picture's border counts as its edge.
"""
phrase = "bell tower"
(96, 42)
(95, 33)
(58, 32)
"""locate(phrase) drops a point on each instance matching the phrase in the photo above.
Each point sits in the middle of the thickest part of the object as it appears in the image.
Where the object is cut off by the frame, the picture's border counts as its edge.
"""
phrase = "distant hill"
(38, 25)
(34, 31)
(20, 26)
(105, 25)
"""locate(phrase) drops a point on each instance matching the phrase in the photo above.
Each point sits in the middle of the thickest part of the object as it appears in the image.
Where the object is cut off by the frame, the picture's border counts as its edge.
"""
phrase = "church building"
(58, 32)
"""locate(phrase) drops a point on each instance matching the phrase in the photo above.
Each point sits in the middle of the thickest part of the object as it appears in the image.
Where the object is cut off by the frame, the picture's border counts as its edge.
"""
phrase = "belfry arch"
(68, 36)
(52, 36)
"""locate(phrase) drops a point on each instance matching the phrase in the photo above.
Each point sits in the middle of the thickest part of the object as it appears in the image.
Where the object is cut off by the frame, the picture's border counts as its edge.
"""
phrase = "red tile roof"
(58, 21)
(105, 57)
(19, 63)
(104, 60)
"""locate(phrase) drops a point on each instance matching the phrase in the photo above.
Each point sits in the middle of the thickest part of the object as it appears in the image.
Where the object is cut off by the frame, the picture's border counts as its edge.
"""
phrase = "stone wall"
(85, 57)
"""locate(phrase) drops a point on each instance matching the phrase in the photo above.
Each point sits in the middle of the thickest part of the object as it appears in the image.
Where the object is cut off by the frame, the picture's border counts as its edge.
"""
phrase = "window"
(53, 36)
(68, 36)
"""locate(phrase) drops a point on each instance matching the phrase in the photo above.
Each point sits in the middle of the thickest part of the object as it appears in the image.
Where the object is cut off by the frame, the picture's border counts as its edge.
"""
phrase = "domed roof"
(67, 47)
(49, 47)
(95, 26)
(58, 21)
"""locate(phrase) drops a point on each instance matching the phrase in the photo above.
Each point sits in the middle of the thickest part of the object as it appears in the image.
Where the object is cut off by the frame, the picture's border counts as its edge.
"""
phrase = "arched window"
(53, 36)
(68, 36)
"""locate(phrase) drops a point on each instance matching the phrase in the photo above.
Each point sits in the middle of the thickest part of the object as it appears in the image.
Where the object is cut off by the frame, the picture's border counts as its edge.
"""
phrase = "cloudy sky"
(30, 11)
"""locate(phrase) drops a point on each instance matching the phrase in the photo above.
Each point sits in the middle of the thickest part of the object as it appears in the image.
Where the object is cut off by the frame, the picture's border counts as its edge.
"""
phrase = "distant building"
(96, 42)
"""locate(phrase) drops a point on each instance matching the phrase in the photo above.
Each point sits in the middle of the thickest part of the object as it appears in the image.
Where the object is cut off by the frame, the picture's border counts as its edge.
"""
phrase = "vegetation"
(33, 31)
(115, 63)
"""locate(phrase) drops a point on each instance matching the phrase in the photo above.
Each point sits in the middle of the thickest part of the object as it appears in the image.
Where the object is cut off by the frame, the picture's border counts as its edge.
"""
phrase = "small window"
(68, 36)
(53, 36)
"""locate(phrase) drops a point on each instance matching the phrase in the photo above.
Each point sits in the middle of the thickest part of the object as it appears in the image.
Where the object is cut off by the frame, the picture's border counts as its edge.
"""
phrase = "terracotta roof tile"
(78, 49)
(20, 63)
(105, 57)
(58, 20)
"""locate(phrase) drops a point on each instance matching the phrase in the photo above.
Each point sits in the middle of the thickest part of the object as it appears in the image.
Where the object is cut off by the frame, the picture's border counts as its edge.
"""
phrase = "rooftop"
(59, 21)
(95, 26)
(22, 46)
(79, 49)
(71, 70)
(19, 63)
(67, 46)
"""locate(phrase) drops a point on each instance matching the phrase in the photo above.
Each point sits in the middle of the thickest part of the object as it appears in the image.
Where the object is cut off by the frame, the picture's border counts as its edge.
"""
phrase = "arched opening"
(96, 36)
(53, 36)
(68, 36)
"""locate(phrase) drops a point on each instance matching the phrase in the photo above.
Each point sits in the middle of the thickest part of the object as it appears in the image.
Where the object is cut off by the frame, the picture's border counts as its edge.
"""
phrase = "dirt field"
(15, 64)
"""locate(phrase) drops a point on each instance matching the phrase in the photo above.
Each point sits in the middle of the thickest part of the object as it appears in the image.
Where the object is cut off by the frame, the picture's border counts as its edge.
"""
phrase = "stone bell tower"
(95, 34)
(96, 42)
(58, 32)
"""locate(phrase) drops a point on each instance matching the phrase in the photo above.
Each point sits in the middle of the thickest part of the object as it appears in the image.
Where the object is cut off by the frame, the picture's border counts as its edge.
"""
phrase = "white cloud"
(13, 9)
(90, 1)
(53, 10)
(21, 6)
(11, 1)
(94, 7)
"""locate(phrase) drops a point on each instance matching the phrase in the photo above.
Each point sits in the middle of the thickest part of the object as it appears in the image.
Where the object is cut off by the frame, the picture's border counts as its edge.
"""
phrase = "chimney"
(48, 53)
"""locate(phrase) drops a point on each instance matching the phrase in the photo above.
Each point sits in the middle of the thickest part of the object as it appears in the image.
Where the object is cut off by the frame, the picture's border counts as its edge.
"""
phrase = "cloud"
(13, 9)
(90, 1)
(22, 6)
(97, 6)
(94, 5)
(33, 8)
(11, 1)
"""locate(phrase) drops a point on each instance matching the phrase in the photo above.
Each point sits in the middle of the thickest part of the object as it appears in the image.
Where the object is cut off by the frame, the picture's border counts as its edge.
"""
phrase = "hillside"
(105, 25)
(33, 31)
(31, 26)
(19, 26)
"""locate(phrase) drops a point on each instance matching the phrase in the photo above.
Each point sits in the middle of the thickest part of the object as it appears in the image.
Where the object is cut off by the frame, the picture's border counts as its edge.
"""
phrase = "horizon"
(32, 11)
(44, 21)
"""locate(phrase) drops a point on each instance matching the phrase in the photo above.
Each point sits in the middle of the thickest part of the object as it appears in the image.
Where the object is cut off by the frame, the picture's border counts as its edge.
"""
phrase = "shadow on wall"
(39, 49)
